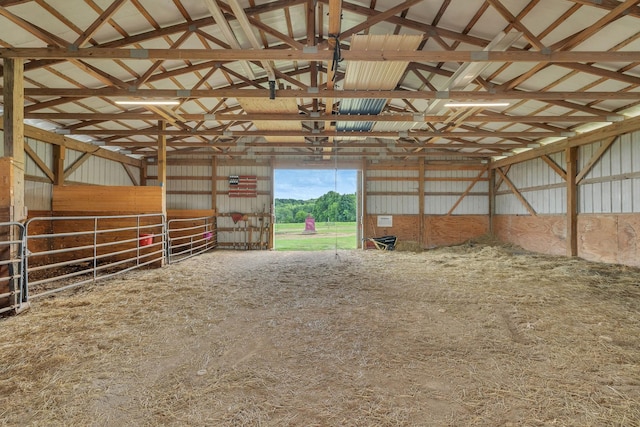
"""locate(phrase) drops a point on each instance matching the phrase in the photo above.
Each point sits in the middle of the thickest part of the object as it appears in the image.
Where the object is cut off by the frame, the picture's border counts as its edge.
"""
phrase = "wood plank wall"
(93, 198)
(69, 201)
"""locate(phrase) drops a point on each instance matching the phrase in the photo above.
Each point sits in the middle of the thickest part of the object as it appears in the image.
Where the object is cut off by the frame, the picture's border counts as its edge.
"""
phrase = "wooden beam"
(59, 154)
(572, 201)
(398, 117)
(214, 184)
(74, 167)
(95, 26)
(320, 134)
(513, 21)
(12, 190)
(162, 163)
(492, 198)
(39, 162)
(319, 55)
(592, 29)
(72, 144)
(606, 144)
(499, 181)
(553, 165)
(379, 17)
(132, 176)
(517, 193)
(467, 191)
(144, 172)
(608, 5)
(421, 181)
(347, 94)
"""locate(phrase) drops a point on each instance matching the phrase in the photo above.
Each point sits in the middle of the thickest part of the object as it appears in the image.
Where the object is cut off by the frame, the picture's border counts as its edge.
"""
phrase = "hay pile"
(469, 335)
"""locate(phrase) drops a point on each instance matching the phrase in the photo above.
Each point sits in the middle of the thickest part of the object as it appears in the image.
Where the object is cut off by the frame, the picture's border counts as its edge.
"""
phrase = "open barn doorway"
(316, 209)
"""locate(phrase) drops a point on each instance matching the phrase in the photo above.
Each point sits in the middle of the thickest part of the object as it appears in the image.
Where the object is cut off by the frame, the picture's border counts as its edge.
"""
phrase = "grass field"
(290, 237)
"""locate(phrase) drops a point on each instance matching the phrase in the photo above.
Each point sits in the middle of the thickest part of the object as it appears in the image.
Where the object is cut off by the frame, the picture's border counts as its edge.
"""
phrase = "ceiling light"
(148, 102)
(476, 104)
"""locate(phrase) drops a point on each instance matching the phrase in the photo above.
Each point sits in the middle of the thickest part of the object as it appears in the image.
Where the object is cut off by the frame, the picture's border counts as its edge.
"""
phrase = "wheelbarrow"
(384, 243)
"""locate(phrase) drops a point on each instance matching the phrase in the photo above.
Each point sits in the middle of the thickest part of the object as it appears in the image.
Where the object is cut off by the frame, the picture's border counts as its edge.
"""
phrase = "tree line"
(327, 208)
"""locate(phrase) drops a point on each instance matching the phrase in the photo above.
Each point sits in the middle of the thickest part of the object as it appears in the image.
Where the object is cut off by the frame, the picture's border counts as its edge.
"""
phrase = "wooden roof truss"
(559, 66)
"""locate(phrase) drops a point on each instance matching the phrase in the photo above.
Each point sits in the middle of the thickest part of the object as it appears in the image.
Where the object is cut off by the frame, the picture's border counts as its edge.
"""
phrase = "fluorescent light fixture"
(148, 102)
(476, 104)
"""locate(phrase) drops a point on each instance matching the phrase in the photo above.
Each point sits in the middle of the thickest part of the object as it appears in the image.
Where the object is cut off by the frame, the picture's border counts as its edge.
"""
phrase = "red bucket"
(146, 239)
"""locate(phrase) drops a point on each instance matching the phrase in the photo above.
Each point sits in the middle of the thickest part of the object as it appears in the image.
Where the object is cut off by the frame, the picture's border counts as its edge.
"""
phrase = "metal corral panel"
(97, 171)
(392, 205)
(605, 188)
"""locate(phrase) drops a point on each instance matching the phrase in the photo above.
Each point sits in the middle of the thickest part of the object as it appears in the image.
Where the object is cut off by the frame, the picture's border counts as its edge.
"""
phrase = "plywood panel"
(454, 229)
(628, 244)
(609, 238)
(542, 233)
(83, 198)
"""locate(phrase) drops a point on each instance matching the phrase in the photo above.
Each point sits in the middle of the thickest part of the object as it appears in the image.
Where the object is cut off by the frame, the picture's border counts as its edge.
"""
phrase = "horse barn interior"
(498, 140)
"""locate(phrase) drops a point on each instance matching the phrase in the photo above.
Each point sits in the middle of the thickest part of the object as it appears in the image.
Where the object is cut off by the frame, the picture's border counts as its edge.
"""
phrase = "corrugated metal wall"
(540, 185)
(192, 193)
(37, 194)
(443, 189)
(392, 192)
(613, 184)
(97, 171)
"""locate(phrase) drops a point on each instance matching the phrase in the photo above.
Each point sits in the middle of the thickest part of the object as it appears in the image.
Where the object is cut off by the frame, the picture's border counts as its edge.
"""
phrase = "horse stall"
(93, 232)
(190, 232)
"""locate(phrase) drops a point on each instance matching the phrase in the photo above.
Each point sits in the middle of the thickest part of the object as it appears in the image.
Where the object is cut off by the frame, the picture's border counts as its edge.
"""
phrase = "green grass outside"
(290, 237)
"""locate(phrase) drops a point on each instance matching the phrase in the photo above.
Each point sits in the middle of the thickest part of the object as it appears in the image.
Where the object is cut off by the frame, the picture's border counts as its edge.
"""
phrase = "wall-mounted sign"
(385, 220)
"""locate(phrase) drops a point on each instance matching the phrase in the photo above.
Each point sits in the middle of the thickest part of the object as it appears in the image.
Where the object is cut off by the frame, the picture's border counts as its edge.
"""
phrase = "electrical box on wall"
(385, 220)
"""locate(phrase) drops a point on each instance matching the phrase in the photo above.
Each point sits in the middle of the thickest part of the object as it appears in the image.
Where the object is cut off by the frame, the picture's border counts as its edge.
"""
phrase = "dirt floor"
(471, 335)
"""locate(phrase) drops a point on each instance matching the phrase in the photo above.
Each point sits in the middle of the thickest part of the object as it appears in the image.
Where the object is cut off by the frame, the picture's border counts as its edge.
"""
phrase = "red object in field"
(146, 239)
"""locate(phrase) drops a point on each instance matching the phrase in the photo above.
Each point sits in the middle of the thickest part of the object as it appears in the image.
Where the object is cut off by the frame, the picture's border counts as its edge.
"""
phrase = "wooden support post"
(12, 165)
(492, 198)
(13, 95)
(59, 153)
(572, 201)
(162, 173)
(364, 203)
(214, 184)
(272, 207)
(359, 222)
(144, 172)
(162, 164)
(421, 221)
